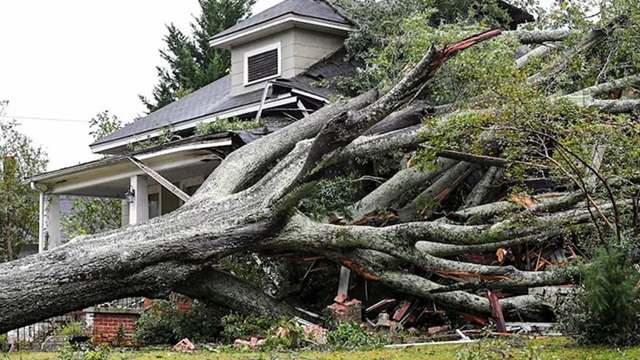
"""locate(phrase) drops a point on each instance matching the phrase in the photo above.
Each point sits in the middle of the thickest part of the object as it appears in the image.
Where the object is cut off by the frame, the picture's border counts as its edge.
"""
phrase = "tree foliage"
(92, 215)
(191, 62)
(607, 308)
(18, 203)
(520, 106)
(103, 124)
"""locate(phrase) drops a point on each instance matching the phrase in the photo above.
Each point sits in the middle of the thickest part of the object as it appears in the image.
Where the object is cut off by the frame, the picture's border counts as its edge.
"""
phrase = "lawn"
(546, 349)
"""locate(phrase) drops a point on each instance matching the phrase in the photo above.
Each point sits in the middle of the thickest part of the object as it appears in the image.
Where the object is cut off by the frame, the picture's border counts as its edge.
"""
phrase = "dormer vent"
(262, 64)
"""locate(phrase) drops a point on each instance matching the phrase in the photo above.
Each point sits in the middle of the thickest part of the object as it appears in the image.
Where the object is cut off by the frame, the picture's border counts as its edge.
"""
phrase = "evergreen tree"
(192, 63)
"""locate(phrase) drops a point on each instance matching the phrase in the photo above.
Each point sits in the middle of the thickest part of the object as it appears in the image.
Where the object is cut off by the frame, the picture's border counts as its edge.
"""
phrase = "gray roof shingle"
(318, 9)
(215, 98)
(210, 99)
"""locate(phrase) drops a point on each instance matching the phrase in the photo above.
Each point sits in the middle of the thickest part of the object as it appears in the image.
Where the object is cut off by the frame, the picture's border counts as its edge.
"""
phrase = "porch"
(150, 183)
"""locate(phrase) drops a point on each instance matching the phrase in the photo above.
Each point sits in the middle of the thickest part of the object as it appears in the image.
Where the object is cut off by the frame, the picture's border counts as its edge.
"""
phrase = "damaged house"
(278, 59)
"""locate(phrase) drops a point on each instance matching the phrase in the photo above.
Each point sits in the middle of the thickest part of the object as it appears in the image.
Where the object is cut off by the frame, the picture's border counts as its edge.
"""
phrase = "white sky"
(69, 59)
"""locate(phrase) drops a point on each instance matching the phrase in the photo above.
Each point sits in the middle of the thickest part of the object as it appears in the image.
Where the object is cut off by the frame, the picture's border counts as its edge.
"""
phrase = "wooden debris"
(185, 346)
(384, 321)
(501, 254)
(475, 319)
(438, 329)
(253, 343)
(401, 311)
(309, 313)
(379, 305)
(496, 311)
(316, 333)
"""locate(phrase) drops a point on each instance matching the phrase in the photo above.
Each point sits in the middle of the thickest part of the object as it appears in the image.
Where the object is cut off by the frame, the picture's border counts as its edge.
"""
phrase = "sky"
(63, 61)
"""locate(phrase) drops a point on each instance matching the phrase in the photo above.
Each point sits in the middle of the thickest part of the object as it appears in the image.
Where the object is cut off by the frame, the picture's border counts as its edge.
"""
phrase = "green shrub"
(70, 329)
(237, 326)
(156, 324)
(350, 336)
(607, 308)
(162, 323)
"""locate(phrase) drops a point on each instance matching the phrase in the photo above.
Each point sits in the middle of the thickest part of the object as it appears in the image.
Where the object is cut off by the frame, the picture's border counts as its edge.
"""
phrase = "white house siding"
(300, 48)
(311, 46)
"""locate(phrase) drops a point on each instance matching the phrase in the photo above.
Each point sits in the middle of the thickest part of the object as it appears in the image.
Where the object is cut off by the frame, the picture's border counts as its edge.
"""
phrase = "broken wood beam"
(160, 179)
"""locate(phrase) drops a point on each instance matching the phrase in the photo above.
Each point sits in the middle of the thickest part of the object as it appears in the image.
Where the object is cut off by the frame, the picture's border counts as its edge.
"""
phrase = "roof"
(332, 66)
(219, 136)
(206, 100)
(318, 9)
(215, 98)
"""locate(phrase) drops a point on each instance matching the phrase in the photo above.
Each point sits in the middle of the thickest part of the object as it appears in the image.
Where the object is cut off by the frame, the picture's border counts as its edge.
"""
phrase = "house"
(276, 57)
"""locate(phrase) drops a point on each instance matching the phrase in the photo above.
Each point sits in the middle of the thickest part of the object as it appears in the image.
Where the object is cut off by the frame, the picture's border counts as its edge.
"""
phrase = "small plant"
(237, 326)
(70, 352)
(70, 329)
(220, 125)
(350, 336)
(607, 309)
(4, 343)
(515, 348)
(120, 336)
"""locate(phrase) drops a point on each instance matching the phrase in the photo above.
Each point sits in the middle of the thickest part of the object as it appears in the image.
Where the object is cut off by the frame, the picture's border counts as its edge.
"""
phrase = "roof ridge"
(340, 11)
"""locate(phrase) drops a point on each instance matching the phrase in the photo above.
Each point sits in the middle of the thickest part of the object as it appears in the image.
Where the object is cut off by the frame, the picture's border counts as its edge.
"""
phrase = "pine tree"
(192, 63)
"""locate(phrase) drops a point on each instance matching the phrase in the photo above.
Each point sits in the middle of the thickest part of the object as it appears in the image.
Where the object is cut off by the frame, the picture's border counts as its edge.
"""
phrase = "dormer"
(282, 42)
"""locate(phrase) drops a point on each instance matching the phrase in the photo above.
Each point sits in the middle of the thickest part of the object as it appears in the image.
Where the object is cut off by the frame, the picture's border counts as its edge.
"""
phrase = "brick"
(106, 327)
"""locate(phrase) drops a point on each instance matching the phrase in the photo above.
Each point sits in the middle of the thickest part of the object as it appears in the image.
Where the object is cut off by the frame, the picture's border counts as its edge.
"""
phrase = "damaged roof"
(210, 99)
(216, 98)
(331, 67)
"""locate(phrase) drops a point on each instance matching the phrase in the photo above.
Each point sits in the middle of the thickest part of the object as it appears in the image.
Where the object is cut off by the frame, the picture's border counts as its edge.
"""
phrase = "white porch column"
(139, 209)
(51, 237)
(42, 230)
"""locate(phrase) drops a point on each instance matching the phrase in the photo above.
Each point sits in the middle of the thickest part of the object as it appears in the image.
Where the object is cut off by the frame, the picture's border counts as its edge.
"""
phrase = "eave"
(192, 123)
(279, 24)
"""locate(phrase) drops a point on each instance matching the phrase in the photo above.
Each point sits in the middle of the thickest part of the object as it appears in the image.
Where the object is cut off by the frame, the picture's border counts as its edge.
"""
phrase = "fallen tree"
(249, 204)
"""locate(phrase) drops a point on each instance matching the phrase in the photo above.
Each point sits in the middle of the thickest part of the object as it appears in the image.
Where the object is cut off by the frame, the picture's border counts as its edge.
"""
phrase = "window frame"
(248, 54)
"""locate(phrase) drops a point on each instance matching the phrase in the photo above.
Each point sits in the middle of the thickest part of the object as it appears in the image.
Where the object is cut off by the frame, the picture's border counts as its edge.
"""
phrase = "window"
(262, 64)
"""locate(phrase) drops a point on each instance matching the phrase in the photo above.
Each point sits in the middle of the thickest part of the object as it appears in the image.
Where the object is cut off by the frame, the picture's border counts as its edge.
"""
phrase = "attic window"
(262, 64)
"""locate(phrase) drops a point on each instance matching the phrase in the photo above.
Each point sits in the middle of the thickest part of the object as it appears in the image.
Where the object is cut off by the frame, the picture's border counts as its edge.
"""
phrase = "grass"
(546, 349)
